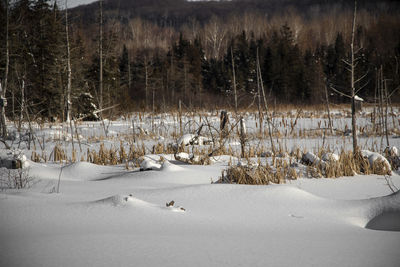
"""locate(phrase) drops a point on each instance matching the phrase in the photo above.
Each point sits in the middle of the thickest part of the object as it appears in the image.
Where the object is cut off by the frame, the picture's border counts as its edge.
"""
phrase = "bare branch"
(362, 87)
(345, 61)
(362, 77)
(340, 93)
(347, 69)
(358, 50)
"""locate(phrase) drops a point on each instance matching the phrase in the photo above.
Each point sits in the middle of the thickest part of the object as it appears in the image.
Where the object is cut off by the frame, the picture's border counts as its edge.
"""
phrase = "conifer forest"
(155, 54)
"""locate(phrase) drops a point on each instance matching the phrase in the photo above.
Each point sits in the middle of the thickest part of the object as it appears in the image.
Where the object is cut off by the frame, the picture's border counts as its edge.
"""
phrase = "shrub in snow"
(168, 166)
(15, 179)
(392, 154)
(378, 163)
(259, 174)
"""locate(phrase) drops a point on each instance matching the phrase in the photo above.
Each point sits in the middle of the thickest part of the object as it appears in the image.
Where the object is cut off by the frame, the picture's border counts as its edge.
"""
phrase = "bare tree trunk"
(22, 108)
(101, 59)
(180, 118)
(68, 104)
(153, 110)
(146, 82)
(241, 130)
(260, 114)
(242, 137)
(328, 109)
(353, 94)
(373, 119)
(381, 117)
(4, 90)
(386, 113)
(234, 81)
(129, 72)
(185, 99)
(265, 105)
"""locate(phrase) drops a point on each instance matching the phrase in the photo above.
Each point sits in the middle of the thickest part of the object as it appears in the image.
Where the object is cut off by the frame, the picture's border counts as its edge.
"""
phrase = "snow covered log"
(193, 139)
(311, 159)
(192, 159)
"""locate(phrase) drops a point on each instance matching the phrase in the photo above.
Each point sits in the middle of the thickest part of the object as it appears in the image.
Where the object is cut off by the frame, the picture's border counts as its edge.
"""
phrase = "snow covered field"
(113, 216)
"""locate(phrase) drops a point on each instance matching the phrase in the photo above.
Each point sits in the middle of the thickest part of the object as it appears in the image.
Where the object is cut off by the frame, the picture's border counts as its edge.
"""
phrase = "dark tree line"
(149, 65)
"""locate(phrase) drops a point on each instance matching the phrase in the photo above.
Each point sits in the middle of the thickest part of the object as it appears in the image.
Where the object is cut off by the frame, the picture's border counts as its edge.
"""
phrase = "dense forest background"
(156, 53)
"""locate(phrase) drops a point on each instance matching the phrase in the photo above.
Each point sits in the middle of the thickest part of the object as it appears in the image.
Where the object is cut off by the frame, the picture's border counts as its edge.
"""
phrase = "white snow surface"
(109, 216)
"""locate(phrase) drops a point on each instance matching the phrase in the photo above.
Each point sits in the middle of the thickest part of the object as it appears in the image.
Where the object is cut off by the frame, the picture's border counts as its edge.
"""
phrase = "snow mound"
(183, 156)
(85, 171)
(124, 200)
(375, 157)
(383, 213)
(149, 164)
(131, 201)
(169, 167)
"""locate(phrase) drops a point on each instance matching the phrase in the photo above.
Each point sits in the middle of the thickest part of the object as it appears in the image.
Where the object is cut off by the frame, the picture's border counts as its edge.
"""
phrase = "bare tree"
(214, 34)
(259, 76)
(328, 109)
(354, 84)
(234, 80)
(3, 127)
(68, 100)
(101, 59)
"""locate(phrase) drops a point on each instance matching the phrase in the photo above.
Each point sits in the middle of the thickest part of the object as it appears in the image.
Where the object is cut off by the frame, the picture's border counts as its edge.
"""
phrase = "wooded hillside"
(155, 53)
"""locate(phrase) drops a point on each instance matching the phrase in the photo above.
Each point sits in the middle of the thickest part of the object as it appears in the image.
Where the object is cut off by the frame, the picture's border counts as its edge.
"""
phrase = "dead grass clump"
(123, 157)
(193, 159)
(347, 164)
(258, 175)
(73, 157)
(381, 168)
(392, 155)
(244, 175)
(35, 157)
(314, 172)
(161, 148)
(59, 154)
(105, 156)
(324, 165)
(113, 156)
